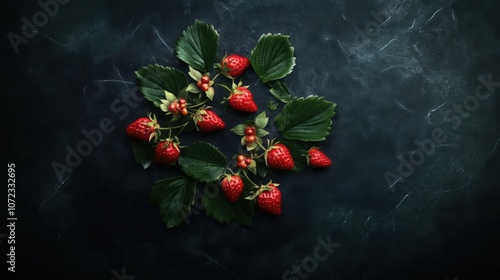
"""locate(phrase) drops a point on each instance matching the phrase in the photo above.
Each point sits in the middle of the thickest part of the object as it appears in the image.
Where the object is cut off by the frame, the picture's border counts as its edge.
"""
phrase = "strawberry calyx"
(202, 83)
(257, 190)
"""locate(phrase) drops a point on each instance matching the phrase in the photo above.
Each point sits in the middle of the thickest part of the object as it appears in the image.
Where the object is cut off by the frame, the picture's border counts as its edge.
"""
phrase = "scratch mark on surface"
(433, 15)
(386, 20)
(113, 81)
(447, 145)
(494, 148)
(434, 110)
(161, 39)
(413, 24)
(135, 29)
(456, 189)
(212, 260)
(417, 50)
(343, 16)
(388, 44)
(399, 65)
(402, 200)
(404, 108)
(395, 182)
(55, 190)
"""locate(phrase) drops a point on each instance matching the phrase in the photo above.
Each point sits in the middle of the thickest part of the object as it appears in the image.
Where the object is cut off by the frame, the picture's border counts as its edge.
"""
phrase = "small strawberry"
(208, 121)
(142, 129)
(278, 156)
(270, 200)
(167, 152)
(316, 158)
(232, 186)
(233, 65)
(241, 99)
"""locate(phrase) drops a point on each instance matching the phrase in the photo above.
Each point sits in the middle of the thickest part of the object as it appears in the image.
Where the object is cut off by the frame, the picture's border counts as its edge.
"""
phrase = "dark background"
(393, 85)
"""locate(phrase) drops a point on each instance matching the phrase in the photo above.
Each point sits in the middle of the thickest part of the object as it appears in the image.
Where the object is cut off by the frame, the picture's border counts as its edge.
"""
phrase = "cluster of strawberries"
(276, 155)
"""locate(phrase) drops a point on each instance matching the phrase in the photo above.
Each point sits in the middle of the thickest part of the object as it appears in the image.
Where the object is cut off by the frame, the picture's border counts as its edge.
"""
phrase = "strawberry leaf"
(153, 80)
(144, 152)
(198, 46)
(220, 209)
(174, 198)
(261, 120)
(306, 119)
(239, 129)
(202, 161)
(272, 58)
(281, 92)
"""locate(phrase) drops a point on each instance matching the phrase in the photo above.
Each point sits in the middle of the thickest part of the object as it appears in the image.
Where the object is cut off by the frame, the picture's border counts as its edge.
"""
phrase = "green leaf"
(203, 161)
(144, 152)
(272, 105)
(153, 80)
(174, 198)
(280, 91)
(272, 58)
(261, 120)
(306, 119)
(239, 129)
(198, 46)
(219, 208)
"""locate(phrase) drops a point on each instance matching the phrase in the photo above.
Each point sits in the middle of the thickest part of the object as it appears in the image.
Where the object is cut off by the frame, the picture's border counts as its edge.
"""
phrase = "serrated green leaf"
(280, 91)
(144, 152)
(223, 211)
(306, 119)
(198, 46)
(174, 198)
(272, 58)
(154, 79)
(202, 161)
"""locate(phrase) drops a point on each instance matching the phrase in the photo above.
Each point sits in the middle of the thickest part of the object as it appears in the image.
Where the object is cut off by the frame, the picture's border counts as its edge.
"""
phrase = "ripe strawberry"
(208, 121)
(316, 158)
(234, 65)
(270, 200)
(232, 186)
(278, 156)
(241, 99)
(142, 129)
(167, 152)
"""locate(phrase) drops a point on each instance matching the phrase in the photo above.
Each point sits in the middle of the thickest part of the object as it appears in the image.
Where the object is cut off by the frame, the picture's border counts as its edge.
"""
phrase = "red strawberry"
(278, 156)
(241, 99)
(270, 200)
(167, 152)
(317, 158)
(142, 129)
(208, 121)
(234, 65)
(232, 186)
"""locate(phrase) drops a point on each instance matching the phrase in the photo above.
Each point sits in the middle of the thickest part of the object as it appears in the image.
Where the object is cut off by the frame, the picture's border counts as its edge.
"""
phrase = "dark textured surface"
(395, 84)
